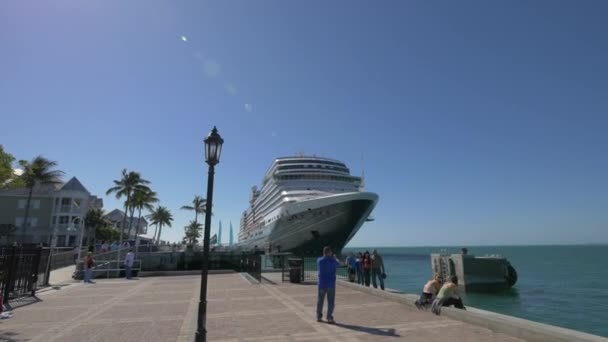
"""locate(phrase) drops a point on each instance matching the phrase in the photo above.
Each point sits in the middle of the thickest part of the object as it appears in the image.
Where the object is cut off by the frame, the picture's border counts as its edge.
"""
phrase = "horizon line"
(490, 245)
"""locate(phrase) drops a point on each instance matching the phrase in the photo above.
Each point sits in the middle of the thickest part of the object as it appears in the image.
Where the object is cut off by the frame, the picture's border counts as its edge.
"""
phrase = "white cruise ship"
(305, 203)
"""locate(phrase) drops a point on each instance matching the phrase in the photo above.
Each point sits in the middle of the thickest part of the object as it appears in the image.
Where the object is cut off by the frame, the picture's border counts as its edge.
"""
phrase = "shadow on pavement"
(8, 336)
(369, 330)
(18, 303)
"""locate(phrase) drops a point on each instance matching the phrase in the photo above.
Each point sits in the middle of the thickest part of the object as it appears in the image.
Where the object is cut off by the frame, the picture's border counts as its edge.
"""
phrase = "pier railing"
(252, 264)
(20, 269)
(304, 268)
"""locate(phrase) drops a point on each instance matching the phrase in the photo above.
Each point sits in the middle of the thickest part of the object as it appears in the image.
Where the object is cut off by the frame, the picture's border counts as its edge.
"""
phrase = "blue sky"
(476, 122)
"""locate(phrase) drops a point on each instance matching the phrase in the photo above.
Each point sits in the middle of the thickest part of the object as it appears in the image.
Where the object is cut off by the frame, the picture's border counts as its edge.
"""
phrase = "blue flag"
(231, 242)
(219, 234)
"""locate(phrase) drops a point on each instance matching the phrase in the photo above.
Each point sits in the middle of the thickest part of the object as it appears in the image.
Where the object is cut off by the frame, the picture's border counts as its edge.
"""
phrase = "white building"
(116, 217)
(55, 210)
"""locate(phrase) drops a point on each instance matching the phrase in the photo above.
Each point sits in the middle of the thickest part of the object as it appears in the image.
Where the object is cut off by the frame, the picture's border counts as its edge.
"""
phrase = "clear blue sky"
(476, 122)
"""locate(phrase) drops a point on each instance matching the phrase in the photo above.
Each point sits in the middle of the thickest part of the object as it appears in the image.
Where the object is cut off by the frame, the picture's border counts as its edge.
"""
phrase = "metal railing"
(19, 272)
(252, 264)
(299, 269)
(109, 264)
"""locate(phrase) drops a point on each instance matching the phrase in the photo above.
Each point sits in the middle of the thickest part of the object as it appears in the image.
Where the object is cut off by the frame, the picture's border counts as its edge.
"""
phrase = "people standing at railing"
(88, 264)
(359, 268)
(352, 267)
(378, 270)
(114, 246)
(327, 266)
(104, 247)
(129, 259)
(75, 254)
(366, 265)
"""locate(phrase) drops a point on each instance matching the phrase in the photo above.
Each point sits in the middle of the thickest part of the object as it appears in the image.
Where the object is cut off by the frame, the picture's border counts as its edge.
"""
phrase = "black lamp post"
(213, 149)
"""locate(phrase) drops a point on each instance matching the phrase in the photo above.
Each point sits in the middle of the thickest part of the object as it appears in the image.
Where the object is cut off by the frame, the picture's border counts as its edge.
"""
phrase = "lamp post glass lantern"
(213, 150)
(213, 147)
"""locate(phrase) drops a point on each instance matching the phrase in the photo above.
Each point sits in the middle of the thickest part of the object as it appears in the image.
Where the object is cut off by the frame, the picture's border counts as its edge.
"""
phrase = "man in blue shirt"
(327, 265)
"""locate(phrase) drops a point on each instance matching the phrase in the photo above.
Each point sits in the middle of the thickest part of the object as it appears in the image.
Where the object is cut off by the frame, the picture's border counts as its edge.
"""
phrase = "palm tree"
(125, 187)
(192, 232)
(160, 217)
(198, 206)
(141, 200)
(94, 220)
(38, 171)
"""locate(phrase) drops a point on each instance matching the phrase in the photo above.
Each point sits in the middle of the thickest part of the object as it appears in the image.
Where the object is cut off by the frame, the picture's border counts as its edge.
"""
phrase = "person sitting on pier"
(448, 295)
(429, 292)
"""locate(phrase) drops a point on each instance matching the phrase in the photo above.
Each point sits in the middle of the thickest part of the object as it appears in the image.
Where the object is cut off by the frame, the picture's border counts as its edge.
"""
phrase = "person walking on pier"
(129, 259)
(327, 265)
(378, 269)
(88, 264)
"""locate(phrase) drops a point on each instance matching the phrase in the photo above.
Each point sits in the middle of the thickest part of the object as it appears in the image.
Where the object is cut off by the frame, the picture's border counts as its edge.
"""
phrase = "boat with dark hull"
(491, 273)
(305, 203)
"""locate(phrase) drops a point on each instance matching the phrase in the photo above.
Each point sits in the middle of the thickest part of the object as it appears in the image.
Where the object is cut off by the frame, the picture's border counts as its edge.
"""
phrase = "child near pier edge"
(327, 265)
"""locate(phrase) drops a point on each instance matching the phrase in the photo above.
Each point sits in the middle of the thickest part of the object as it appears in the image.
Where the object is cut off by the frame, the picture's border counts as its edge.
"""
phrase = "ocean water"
(566, 286)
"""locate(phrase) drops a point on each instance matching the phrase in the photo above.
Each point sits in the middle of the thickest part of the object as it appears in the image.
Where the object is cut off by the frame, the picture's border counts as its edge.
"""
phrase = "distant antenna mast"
(362, 186)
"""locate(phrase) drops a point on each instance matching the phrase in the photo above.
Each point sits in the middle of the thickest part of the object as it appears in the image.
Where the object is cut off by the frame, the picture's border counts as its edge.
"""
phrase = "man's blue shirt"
(351, 261)
(327, 271)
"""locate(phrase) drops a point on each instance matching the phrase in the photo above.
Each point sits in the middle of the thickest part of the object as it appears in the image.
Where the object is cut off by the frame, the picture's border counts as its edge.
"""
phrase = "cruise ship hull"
(305, 227)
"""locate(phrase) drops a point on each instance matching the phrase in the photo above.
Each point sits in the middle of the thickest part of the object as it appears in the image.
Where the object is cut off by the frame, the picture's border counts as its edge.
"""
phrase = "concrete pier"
(165, 309)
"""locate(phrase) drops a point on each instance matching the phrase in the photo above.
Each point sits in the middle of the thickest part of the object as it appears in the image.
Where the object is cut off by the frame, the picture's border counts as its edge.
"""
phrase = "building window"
(64, 219)
(66, 205)
(32, 221)
(34, 204)
(72, 241)
(60, 240)
(76, 205)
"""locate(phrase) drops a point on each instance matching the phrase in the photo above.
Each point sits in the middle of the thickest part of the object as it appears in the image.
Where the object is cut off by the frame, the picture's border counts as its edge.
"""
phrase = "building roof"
(117, 215)
(74, 185)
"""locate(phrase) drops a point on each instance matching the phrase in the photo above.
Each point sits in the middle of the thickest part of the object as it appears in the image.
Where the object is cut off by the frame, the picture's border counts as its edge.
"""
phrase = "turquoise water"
(565, 286)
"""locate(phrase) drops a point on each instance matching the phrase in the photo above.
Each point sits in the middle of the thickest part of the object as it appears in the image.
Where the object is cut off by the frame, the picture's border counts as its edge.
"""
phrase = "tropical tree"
(160, 217)
(93, 221)
(6, 231)
(192, 232)
(198, 206)
(125, 187)
(107, 233)
(38, 171)
(6, 167)
(142, 199)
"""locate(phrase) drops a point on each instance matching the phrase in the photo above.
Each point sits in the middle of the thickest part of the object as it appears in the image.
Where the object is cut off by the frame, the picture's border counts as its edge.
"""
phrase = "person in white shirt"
(129, 259)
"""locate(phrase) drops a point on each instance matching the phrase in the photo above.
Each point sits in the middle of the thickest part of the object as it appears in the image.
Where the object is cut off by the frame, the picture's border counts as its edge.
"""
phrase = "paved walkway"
(62, 275)
(165, 309)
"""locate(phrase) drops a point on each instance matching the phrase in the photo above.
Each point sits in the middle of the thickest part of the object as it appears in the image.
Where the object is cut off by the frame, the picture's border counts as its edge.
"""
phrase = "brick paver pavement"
(165, 309)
